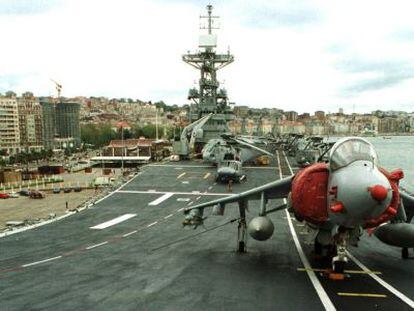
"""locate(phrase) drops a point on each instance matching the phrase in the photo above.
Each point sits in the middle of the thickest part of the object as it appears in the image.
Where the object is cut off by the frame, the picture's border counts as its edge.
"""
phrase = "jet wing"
(274, 190)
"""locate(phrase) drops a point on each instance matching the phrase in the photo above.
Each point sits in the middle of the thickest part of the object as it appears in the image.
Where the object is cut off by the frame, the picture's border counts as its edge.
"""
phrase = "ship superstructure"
(209, 98)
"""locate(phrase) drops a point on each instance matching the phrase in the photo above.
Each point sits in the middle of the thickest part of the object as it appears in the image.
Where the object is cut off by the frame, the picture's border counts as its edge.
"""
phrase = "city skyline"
(293, 55)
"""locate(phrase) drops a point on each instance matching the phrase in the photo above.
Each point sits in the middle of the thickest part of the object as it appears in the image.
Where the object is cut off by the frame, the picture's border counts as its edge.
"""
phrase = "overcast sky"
(298, 55)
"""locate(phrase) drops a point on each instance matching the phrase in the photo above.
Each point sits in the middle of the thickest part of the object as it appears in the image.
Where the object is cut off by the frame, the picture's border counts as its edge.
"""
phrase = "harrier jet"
(337, 200)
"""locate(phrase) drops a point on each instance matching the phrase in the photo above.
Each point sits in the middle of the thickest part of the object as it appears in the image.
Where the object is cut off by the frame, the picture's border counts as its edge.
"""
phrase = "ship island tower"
(209, 97)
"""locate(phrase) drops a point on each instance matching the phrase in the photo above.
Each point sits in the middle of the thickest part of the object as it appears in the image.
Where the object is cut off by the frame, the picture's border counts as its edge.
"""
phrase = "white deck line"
(113, 222)
(161, 199)
(182, 166)
(168, 216)
(41, 261)
(129, 233)
(96, 245)
(179, 193)
(152, 224)
(207, 166)
(323, 296)
(389, 287)
(181, 175)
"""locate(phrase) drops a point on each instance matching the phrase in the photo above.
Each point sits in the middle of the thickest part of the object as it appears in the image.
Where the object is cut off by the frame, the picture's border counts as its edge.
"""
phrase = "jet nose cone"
(378, 192)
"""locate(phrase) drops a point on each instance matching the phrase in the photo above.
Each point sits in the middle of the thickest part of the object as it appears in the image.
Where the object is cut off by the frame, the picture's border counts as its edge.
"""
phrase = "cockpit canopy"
(349, 150)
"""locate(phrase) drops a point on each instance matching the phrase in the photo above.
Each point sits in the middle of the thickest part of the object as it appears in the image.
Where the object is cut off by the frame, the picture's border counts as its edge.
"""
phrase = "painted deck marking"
(96, 245)
(362, 295)
(161, 199)
(207, 166)
(183, 199)
(327, 303)
(392, 289)
(114, 221)
(178, 193)
(181, 175)
(185, 182)
(168, 216)
(323, 296)
(152, 224)
(206, 175)
(41, 261)
(346, 271)
(129, 233)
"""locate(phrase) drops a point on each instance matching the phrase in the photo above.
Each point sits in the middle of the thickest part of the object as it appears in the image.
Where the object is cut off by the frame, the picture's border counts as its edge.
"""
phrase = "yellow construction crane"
(58, 87)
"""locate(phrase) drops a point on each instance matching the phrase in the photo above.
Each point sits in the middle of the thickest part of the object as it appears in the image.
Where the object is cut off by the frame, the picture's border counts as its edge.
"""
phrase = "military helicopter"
(337, 200)
(229, 153)
(291, 144)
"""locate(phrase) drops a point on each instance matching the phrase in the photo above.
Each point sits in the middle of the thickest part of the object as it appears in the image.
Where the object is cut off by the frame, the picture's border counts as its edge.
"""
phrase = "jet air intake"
(260, 228)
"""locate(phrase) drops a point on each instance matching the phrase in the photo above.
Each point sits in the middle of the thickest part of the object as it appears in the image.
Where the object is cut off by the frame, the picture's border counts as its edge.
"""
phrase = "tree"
(97, 135)
(149, 131)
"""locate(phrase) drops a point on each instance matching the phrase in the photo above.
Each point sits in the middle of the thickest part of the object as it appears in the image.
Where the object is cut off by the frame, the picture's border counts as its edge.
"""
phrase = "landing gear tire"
(317, 248)
(404, 253)
(338, 266)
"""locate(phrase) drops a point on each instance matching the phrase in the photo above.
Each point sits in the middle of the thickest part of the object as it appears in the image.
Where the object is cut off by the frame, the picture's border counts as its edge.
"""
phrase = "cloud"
(280, 14)
(27, 7)
(388, 80)
(290, 54)
(406, 35)
(374, 75)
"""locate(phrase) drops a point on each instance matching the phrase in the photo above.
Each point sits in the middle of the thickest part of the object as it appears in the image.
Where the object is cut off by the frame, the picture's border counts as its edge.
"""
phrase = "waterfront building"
(286, 127)
(67, 121)
(48, 123)
(291, 115)
(320, 114)
(30, 122)
(9, 124)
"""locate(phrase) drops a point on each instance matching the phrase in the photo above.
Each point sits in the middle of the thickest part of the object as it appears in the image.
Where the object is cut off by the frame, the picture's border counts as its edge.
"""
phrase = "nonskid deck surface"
(122, 254)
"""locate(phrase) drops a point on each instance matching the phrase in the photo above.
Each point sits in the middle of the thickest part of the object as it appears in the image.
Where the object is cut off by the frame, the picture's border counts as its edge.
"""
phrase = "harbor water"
(396, 152)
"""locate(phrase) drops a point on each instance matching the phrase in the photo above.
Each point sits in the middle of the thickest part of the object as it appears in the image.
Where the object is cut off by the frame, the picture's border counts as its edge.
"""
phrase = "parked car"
(25, 192)
(4, 196)
(14, 195)
(37, 195)
(67, 189)
(56, 190)
(77, 189)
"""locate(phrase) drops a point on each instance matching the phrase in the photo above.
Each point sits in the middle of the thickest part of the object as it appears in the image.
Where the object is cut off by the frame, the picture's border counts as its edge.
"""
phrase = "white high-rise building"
(9, 124)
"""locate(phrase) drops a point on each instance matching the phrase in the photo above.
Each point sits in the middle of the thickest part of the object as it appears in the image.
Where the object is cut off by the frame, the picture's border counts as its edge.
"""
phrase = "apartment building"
(9, 124)
(30, 122)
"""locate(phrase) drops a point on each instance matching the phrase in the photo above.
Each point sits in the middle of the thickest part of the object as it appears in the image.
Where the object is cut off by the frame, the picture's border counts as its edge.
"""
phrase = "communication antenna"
(210, 20)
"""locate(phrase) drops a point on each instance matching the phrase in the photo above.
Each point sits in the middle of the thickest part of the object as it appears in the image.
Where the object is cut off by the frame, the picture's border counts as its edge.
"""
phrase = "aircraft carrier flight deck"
(131, 252)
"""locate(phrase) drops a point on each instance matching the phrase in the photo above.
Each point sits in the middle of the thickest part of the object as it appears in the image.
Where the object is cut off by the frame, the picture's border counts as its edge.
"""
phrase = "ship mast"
(208, 98)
